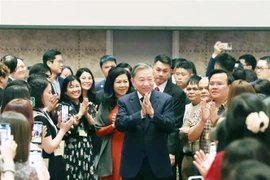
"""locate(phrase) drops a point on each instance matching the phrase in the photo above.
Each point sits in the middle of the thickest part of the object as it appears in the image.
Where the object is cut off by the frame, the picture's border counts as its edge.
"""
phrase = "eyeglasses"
(261, 68)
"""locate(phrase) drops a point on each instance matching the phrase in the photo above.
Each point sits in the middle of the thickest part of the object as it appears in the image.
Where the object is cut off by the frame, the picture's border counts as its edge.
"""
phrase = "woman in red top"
(117, 85)
(247, 117)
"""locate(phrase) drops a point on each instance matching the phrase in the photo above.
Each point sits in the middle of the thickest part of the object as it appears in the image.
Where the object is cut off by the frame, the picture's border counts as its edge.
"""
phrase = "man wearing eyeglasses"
(53, 59)
(263, 68)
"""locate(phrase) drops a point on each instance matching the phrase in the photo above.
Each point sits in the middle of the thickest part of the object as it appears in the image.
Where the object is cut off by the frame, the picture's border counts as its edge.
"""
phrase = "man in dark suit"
(162, 73)
(146, 124)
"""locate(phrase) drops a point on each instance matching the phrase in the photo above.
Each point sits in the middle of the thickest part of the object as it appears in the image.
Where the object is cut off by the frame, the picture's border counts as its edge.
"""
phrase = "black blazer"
(145, 137)
(179, 98)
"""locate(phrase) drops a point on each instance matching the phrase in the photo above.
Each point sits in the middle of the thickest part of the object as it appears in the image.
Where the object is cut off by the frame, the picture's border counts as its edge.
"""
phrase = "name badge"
(82, 133)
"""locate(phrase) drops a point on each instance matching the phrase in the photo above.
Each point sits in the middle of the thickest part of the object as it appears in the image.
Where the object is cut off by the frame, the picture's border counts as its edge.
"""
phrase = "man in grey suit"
(146, 116)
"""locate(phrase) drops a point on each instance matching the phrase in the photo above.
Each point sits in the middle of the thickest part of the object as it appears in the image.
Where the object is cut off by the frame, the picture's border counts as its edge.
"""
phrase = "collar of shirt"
(140, 96)
(173, 80)
(162, 86)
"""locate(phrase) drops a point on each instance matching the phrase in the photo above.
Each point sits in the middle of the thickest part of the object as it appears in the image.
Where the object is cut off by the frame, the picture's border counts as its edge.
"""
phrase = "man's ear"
(49, 63)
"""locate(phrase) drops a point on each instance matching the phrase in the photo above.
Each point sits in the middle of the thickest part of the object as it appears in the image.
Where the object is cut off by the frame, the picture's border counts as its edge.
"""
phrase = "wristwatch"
(77, 117)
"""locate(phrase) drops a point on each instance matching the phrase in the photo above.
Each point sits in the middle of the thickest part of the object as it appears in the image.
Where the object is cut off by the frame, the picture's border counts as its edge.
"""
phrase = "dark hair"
(225, 62)
(19, 82)
(67, 67)
(163, 58)
(262, 86)
(249, 60)
(240, 108)
(124, 65)
(194, 80)
(10, 61)
(240, 150)
(66, 82)
(106, 58)
(109, 98)
(176, 61)
(50, 55)
(230, 78)
(239, 73)
(250, 75)
(22, 106)
(39, 68)
(187, 65)
(37, 76)
(20, 129)
(250, 170)
(14, 92)
(91, 94)
(37, 89)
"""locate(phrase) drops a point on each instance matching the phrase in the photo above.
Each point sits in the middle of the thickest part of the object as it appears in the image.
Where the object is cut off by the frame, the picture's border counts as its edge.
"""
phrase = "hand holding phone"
(227, 46)
(64, 113)
(37, 132)
(5, 132)
(35, 159)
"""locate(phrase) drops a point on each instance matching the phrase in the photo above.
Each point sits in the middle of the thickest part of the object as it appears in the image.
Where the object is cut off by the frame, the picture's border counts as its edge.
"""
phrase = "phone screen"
(64, 113)
(35, 159)
(37, 132)
(5, 132)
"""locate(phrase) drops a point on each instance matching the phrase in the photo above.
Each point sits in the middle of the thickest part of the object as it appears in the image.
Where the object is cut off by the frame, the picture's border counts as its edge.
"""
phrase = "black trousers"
(145, 173)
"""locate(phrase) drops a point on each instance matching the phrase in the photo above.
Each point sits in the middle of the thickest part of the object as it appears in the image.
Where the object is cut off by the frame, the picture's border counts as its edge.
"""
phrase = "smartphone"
(64, 113)
(5, 132)
(35, 159)
(227, 46)
(37, 132)
(33, 101)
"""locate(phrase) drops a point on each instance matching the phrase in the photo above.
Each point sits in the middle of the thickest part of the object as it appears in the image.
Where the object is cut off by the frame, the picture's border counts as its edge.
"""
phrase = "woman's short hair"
(250, 170)
(22, 106)
(20, 129)
(37, 88)
(14, 92)
(18, 82)
(243, 149)
(69, 79)
(39, 68)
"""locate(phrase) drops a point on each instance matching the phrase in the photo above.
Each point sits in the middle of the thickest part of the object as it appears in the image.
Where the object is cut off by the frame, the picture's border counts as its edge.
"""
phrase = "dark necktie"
(221, 110)
(157, 88)
(141, 99)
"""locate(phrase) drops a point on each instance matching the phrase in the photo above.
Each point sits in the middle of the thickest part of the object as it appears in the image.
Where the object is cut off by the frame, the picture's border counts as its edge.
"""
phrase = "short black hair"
(250, 75)
(39, 68)
(267, 59)
(239, 73)
(250, 60)
(50, 55)
(187, 65)
(63, 97)
(19, 82)
(13, 92)
(124, 65)
(37, 88)
(230, 78)
(106, 58)
(194, 80)
(176, 61)
(226, 62)
(164, 59)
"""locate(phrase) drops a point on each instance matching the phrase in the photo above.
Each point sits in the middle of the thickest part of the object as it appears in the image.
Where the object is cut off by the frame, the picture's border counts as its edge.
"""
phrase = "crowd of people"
(147, 122)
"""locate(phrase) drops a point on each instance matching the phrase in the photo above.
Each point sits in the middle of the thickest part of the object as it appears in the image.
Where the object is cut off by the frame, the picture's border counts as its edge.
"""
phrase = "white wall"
(126, 13)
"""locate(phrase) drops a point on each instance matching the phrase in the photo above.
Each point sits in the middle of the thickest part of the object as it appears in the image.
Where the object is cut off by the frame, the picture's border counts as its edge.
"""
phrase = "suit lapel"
(154, 101)
(135, 104)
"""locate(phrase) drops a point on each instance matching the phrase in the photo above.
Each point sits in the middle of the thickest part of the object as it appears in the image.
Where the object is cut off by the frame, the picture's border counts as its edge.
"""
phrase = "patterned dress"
(78, 152)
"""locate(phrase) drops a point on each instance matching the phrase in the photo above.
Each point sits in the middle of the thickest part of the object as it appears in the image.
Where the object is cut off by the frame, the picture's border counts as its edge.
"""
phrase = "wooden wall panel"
(198, 45)
(80, 48)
